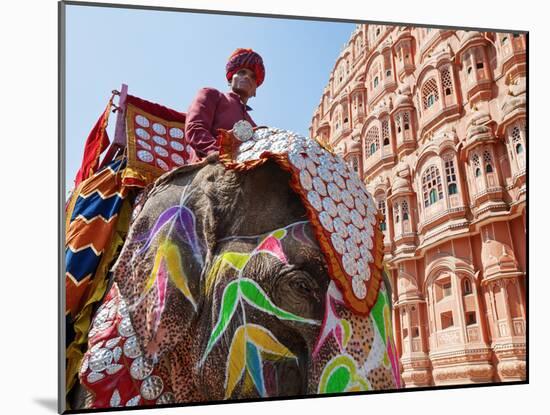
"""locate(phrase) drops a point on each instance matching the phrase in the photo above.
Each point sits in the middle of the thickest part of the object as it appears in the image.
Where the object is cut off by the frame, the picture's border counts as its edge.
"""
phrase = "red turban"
(245, 58)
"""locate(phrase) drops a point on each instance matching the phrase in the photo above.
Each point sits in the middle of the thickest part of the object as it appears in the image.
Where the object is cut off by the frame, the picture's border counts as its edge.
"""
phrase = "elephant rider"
(212, 109)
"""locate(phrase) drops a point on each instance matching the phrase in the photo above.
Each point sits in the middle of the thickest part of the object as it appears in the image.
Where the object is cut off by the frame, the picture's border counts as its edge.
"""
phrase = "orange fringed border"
(228, 149)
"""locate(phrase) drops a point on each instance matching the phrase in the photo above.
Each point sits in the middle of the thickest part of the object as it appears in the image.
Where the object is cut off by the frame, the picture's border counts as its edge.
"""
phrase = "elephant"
(222, 292)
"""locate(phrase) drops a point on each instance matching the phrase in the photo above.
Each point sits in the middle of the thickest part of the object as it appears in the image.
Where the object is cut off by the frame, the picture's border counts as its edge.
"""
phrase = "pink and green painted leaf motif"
(257, 298)
(253, 294)
(340, 375)
(250, 342)
(229, 305)
(168, 255)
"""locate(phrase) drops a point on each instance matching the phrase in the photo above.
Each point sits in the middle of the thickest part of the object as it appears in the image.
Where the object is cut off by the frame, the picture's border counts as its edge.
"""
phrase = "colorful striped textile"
(97, 219)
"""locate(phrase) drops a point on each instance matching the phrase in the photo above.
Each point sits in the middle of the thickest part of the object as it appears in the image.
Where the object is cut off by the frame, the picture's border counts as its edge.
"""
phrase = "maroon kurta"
(210, 110)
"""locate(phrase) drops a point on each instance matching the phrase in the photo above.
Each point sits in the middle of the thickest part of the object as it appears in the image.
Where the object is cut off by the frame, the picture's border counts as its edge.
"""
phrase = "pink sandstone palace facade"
(434, 121)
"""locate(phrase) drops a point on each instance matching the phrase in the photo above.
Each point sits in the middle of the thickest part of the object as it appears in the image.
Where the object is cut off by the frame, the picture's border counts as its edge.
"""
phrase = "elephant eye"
(302, 286)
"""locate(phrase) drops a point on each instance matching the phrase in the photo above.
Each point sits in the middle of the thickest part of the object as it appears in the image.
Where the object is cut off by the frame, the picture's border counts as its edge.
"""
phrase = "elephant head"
(229, 293)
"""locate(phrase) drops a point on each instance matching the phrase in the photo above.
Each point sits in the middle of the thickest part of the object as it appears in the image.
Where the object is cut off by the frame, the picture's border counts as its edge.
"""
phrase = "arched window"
(467, 286)
(476, 165)
(382, 210)
(450, 174)
(355, 164)
(517, 140)
(386, 132)
(429, 93)
(372, 142)
(398, 123)
(431, 186)
(446, 80)
(406, 120)
(375, 82)
(396, 212)
(405, 210)
(388, 73)
(488, 161)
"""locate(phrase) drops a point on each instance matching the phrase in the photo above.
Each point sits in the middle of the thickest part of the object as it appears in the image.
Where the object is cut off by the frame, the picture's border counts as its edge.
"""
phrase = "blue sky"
(166, 57)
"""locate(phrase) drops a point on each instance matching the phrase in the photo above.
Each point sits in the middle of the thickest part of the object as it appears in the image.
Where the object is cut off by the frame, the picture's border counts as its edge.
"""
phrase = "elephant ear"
(158, 270)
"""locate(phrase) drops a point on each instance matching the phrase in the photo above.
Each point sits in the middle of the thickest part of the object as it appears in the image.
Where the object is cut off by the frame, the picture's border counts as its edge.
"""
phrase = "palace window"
(447, 320)
(516, 140)
(372, 141)
(406, 120)
(446, 80)
(386, 132)
(375, 82)
(416, 332)
(487, 159)
(382, 210)
(398, 123)
(450, 175)
(467, 285)
(405, 210)
(355, 164)
(471, 318)
(396, 212)
(476, 165)
(429, 93)
(431, 186)
(388, 73)
(479, 65)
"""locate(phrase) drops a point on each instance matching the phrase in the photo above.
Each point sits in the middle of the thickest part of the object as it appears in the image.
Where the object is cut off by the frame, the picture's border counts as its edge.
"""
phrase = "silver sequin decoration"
(357, 219)
(145, 156)
(100, 359)
(134, 401)
(305, 180)
(112, 342)
(115, 399)
(112, 369)
(325, 174)
(94, 377)
(338, 243)
(176, 146)
(343, 212)
(131, 348)
(141, 368)
(161, 151)
(339, 180)
(144, 145)
(348, 199)
(159, 128)
(160, 140)
(151, 388)
(141, 133)
(297, 160)
(176, 133)
(359, 288)
(349, 263)
(117, 352)
(166, 398)
(142, 121)
(312, 168)
(315, 200)
(341, 228)
(334, 192)
(176, 158)
(354, 234)
(352, 249)
(320, 186)
(125, 328)
(330, 207)
(162, 164)
(326, 221)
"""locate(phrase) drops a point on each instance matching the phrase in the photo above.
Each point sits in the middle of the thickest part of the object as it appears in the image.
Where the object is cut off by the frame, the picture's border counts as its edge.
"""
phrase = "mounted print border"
(376, 243)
